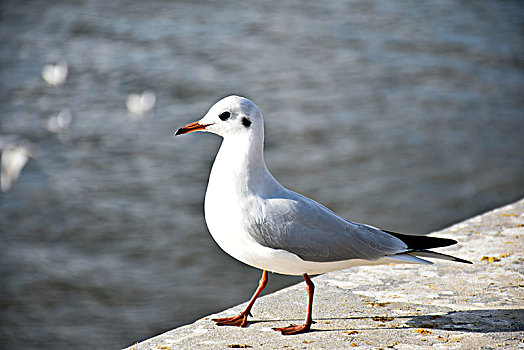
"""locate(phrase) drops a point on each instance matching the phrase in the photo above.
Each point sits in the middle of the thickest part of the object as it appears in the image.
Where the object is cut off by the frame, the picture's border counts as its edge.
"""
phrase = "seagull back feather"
(306, 228)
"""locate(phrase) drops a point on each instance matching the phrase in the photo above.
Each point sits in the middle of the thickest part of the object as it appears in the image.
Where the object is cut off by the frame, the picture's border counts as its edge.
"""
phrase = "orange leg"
(296, 329)
(240, 320)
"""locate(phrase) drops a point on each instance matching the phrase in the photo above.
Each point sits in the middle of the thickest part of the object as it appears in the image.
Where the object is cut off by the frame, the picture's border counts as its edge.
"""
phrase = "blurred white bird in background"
(55, 74)
(140, 104)
(15, 152)
(60, 122)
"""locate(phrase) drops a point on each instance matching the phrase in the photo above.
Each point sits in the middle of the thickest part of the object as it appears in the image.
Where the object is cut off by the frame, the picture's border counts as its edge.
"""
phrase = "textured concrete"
(446, 305)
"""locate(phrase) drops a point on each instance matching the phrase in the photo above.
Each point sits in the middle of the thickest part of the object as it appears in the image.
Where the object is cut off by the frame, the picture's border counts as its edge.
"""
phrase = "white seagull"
(256, 220)
(15, 152)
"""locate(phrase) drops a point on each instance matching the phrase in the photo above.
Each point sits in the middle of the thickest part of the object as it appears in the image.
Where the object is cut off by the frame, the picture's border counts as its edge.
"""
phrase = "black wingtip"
(463, 261)
(418, 242)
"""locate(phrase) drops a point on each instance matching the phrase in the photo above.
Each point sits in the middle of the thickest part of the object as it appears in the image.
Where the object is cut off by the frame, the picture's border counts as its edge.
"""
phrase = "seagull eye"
(224, 115)
(246, 122)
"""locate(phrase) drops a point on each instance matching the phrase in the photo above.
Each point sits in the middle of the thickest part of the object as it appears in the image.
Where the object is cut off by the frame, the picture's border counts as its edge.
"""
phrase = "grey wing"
(306, 228)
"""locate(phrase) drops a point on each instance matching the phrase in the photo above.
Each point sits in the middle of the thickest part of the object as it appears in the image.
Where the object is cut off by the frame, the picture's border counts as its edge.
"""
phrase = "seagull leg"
(294, 328)
(240, 320)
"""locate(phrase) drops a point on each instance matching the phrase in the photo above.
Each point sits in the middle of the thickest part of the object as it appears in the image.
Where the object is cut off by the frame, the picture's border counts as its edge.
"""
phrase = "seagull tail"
(418, 246)
(429, 254)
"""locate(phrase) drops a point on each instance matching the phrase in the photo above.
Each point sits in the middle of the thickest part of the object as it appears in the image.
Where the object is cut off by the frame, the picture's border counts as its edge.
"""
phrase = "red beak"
(190, 128)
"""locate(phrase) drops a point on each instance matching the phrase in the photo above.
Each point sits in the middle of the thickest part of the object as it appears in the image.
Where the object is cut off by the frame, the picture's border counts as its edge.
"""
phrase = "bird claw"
(239, 320)
(293, 329)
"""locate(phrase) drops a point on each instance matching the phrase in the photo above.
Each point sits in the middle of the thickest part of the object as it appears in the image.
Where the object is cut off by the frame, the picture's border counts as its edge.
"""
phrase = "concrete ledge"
(446, 305)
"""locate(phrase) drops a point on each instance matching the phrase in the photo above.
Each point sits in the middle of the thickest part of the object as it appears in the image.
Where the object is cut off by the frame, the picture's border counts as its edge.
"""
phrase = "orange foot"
(239, 320)
(293, 329)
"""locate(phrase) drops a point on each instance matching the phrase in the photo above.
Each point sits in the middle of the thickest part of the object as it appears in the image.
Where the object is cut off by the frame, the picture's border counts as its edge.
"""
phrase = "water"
(405, 115)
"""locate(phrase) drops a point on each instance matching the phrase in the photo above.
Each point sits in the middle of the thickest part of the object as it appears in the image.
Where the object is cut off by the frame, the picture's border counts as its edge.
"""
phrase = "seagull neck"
(242, 158)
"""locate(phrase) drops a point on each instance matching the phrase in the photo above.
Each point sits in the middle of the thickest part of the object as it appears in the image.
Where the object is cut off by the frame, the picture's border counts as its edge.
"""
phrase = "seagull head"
(231, 116)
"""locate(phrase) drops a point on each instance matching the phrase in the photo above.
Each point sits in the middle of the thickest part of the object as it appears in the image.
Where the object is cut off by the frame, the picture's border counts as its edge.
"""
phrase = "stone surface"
(443, 306)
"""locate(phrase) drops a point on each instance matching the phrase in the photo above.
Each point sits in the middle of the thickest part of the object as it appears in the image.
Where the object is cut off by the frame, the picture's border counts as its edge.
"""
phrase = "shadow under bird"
(259, 222)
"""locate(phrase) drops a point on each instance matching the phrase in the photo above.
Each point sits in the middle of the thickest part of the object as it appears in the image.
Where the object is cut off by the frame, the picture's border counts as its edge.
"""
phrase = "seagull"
(59, 123)
(55, 74)
(140, 104)
(15, 153)
(256, 220)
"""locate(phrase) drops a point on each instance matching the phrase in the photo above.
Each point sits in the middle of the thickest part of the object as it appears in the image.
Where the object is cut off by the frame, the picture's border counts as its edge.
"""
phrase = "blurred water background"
(408, 115)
